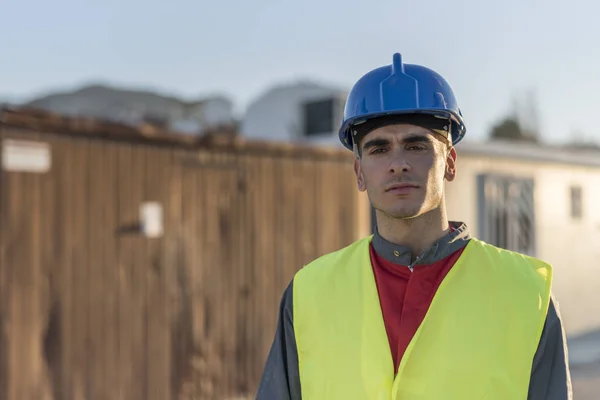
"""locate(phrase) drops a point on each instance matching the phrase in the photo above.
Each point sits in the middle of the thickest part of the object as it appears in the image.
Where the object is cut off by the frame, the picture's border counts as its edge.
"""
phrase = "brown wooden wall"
(92, 309)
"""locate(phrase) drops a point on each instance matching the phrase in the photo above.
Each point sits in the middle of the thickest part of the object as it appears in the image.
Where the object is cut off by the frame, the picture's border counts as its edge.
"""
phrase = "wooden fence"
(90, 308)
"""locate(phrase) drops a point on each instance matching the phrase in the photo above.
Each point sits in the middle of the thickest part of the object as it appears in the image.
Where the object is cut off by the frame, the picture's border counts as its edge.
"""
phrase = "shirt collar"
(442, 248)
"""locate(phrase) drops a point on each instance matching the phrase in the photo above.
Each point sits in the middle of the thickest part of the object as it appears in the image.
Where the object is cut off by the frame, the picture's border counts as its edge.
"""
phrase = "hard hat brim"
(457, 133)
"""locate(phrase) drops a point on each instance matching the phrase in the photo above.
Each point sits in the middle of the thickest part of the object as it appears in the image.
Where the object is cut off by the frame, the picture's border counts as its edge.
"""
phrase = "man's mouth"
(401, 188)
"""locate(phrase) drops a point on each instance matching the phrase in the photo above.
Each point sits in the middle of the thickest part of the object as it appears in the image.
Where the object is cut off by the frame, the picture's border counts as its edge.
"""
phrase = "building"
(542, 201)
(136, 106)
(211, 113)
(304, 112)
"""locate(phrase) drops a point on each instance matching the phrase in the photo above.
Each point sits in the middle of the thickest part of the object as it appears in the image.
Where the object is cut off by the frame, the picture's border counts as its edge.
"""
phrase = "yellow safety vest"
(477, 341)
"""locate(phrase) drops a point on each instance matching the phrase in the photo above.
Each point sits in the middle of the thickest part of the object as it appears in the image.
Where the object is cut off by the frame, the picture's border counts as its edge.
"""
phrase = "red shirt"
(405, 296)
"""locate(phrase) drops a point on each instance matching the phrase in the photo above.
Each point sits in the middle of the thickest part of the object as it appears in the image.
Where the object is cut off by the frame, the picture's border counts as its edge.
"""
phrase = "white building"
(210, 113)
(542, 201)
(298, 112)
(133, 106)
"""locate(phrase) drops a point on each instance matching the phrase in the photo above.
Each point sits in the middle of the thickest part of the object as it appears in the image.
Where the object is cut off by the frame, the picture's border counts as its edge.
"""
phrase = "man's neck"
(417, 233)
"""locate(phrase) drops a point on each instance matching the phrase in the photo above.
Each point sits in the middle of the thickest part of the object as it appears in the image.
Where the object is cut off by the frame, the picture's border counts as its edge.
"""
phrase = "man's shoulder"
(506, 254)
(330, 261)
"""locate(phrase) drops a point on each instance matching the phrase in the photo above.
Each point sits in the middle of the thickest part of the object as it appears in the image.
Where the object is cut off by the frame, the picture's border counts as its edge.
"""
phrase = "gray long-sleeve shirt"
(550, 377)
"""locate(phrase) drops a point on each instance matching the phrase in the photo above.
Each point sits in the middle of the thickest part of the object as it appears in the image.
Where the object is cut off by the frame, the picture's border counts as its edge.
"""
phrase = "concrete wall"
(571, 246)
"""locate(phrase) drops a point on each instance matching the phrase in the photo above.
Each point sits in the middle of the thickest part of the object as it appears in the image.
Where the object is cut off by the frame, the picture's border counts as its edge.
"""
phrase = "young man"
(420, 310)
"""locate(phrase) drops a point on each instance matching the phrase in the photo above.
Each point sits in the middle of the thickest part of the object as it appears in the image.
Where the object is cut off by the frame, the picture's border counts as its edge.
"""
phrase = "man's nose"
(399, 163)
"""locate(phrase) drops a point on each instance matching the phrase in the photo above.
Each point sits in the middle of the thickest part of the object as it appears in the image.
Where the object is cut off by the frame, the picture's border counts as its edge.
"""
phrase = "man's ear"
(450, 173)
(360, 179)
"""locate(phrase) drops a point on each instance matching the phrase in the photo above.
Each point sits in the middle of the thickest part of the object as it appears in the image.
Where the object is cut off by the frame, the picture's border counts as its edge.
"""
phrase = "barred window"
(507, 212)
(576, 202)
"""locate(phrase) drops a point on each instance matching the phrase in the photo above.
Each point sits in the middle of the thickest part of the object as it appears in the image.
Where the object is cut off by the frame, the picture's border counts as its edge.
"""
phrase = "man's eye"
(379, 150)
(417, 148)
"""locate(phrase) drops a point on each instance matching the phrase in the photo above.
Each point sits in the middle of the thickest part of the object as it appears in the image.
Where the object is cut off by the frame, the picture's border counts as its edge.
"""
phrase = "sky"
(491, 52)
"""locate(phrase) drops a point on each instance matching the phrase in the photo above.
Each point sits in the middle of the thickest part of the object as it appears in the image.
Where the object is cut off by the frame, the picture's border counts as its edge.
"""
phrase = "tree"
(527, 111)
(510, 128)
(522, 122)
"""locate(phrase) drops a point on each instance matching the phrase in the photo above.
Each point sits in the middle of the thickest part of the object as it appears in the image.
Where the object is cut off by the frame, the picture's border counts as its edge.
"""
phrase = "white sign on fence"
(151, 219)
(25, 156)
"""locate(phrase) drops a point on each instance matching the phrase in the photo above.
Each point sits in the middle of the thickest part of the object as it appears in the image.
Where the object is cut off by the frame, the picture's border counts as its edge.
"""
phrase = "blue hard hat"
(401, 89)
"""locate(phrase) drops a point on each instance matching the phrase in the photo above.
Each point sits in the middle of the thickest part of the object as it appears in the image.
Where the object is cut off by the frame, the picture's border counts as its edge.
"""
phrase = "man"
(419, 310)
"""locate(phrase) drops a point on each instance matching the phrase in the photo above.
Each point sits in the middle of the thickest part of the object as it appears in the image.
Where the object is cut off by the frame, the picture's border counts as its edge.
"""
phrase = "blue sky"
(490, 52)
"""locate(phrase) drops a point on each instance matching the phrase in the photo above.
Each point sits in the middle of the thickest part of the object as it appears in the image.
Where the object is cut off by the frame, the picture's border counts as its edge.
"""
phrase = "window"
(576, 202)
(506, 212)
(321, 116)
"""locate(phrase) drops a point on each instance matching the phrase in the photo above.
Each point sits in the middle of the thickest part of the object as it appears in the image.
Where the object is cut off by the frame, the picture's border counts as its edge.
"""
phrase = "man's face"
(403, 168)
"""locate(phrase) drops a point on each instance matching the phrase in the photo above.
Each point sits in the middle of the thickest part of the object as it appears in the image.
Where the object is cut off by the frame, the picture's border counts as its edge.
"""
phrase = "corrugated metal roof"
(530, 152)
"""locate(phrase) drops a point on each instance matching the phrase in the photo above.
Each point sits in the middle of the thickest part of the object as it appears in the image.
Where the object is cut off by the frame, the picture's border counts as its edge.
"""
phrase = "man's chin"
(404, 213)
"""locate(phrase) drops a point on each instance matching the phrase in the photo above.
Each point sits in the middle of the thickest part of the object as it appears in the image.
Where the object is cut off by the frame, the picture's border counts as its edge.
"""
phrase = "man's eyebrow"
(375, 142)
(415, 138)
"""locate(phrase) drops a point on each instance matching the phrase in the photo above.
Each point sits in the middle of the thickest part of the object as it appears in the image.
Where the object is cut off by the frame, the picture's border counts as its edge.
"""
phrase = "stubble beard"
(411, 210)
